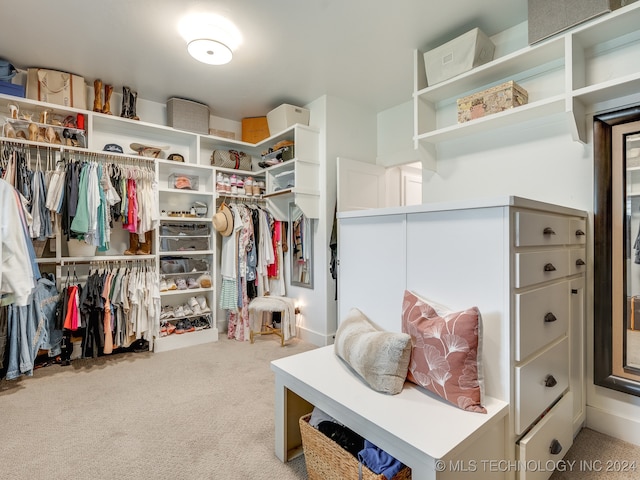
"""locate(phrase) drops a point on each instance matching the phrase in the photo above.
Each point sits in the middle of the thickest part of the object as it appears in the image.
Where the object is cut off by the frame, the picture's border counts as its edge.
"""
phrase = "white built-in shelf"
(575, 72)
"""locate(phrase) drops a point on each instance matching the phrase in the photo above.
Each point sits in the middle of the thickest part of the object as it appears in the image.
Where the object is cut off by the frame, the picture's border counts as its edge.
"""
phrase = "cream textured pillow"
(381, 358)
(446, 351)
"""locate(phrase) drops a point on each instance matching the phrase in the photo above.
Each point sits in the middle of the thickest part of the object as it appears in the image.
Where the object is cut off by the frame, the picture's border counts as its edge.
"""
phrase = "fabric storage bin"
(285, 116)
(457, 56)
(182, 244)
(493, 100)
(326, 460)
(169, 265)
(79, 248)
(188, 115)
(548, 17)
(184, 229)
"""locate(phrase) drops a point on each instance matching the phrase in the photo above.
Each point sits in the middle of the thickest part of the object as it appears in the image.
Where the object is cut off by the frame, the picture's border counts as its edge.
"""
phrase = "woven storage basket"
(326, 460)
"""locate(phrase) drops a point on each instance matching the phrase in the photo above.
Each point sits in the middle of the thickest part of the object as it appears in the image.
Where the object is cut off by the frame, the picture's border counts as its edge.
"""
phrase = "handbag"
(231, 159)
(61, 88)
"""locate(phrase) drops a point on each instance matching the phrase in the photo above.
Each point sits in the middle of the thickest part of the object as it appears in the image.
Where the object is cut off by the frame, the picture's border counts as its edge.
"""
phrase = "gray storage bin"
(170, 265)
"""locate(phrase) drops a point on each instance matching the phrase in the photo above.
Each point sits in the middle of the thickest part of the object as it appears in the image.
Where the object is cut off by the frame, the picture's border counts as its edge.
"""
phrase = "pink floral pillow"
(446, 348)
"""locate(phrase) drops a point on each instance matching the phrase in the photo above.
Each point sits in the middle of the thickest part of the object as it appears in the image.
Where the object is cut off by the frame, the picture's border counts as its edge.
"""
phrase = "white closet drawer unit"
(577, 261)
(542, 266)
(539, 382)
(578, 231)
(547, 442)
(542, 315)
(541, 229)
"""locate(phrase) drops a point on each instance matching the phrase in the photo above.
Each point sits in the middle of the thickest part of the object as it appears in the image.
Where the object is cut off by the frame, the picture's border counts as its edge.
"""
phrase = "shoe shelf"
(590, 68)
(189, 339)
(191, 291)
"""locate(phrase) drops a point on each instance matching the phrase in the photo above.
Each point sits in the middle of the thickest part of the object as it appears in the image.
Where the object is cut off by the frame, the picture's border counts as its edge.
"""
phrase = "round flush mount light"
(209, 51)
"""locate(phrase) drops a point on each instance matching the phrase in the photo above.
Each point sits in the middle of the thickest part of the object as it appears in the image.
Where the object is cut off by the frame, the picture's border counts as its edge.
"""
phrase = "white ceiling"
(293, 51)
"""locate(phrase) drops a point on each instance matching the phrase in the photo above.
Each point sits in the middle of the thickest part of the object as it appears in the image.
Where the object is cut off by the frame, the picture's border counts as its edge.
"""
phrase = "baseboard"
(315, 338)
(624, 428)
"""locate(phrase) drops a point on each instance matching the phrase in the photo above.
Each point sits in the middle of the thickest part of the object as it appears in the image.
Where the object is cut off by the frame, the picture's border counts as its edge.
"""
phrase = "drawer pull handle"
(550, 317)
(549, 267)
(580, 262)
(550, 381)
(579, 233)
(555, 448)
(548, 231)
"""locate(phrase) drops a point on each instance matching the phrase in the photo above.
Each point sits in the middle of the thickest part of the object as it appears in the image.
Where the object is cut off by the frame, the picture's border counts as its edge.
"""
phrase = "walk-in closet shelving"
(574, 73)
(175, 205)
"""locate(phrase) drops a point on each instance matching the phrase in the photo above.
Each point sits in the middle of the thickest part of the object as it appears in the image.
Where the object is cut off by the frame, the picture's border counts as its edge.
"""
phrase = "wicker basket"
(326, 460)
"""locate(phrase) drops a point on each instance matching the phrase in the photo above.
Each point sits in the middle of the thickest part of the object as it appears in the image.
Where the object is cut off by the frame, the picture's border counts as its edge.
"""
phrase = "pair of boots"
(98, 106)
(129, 98)
(139, 248)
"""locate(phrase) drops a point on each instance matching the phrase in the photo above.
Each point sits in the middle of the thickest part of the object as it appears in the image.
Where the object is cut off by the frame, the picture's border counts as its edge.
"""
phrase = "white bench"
(437, 440)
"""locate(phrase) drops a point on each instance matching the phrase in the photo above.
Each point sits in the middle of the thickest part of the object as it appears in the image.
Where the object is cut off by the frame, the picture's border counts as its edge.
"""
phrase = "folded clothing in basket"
(374, 458)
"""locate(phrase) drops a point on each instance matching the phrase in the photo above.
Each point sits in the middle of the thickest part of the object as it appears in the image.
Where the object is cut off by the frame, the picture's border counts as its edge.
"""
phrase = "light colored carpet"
(597, 456)
(203, 412)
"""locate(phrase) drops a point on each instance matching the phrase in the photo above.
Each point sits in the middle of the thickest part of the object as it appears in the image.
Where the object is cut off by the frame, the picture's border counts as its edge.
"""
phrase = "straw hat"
(223, 221)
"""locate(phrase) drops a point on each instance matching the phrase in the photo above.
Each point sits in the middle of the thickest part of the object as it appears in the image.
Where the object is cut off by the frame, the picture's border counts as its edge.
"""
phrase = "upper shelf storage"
(576, 72)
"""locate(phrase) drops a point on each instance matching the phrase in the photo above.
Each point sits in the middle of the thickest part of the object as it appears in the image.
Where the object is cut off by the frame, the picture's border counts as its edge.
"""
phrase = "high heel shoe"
(8, 130)
(50, 135)
(33, 132)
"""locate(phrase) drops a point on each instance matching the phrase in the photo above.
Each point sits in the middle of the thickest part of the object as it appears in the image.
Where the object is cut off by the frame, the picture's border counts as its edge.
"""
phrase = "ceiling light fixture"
(209, 51)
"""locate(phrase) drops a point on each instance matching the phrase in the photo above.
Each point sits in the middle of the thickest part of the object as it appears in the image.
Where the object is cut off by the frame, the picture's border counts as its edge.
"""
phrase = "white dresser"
(523, 264)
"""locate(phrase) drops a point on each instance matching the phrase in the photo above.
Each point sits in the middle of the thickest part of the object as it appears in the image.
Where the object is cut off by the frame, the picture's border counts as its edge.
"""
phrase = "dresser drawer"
(542, 315)
(542, 266)
(539, 382)
(547, 442)
(577, 261)
(578, 231)
(534, 229)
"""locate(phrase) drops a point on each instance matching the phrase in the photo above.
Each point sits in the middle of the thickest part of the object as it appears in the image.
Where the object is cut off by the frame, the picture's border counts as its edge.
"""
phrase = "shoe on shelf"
(188, 327)
(191, 283)
(178, 311)
(171, 328)
(180, 327)
(181, 284)
(163, 329)
(167, 312)
(204, 280)
(195, 306)
(171, 284)
(163, 285)
(187, 310)
(202, 301)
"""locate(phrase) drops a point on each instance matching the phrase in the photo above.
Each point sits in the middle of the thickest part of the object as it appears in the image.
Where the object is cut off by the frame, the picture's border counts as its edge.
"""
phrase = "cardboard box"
(61, 88)
(254, 129)
(548, 17)
(285, 116)
(492, 100)
(457, 56)
(188, 115)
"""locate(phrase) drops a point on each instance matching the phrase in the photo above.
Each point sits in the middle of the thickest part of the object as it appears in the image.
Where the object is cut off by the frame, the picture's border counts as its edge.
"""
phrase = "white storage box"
(284, 116)
(457, 56)
(188, 115)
